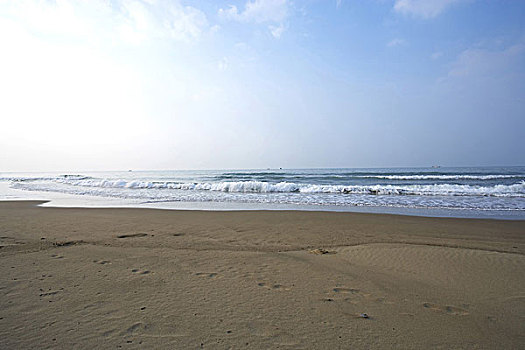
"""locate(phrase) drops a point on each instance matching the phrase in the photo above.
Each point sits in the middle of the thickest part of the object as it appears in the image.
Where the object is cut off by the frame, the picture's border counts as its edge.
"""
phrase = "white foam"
(254, 192)
(442, 177)
(515, 190)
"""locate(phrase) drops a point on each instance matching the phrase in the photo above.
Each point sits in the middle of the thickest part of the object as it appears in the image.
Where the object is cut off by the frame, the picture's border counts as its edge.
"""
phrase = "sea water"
(496, 192)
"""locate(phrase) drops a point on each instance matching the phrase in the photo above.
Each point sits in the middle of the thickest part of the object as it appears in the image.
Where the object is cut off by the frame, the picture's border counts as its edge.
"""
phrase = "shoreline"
(49, 203)
(71, 201)
(478, 192)
(136, 277)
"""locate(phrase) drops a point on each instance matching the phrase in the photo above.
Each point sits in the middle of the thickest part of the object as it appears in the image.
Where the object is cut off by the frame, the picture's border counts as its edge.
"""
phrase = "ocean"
(483, 192)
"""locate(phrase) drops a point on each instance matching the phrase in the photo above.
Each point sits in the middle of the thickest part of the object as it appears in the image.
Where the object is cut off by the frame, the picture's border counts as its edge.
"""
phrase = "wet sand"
(141, 278)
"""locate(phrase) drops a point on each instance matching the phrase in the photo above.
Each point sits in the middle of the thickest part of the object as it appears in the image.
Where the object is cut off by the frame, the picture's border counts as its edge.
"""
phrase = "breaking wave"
(443, 177)
(514, 190)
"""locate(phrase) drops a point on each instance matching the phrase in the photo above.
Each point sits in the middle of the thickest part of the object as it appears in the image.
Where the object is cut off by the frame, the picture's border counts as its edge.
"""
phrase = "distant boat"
(436, 166)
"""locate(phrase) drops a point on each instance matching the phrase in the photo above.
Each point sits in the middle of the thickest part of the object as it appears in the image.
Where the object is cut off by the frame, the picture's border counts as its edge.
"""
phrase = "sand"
(140, 278)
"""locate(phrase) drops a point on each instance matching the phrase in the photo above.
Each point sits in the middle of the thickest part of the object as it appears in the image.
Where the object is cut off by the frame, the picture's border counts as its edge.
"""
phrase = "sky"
(153, 84)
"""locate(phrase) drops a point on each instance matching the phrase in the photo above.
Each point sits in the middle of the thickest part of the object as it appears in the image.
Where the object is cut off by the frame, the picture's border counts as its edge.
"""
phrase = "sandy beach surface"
(161, 279)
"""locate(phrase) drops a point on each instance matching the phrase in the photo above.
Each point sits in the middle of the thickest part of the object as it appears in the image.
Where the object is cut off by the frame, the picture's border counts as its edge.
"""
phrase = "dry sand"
(139, 278)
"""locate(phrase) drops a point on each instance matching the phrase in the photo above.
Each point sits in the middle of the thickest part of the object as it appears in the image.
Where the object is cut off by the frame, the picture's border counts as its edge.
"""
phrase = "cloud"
(150, 19)
(423, 8)
(277, 31)
(260, 11)
(396, 42)
(485, 62)
(127, 21)
(257, 11)
(498, 68)
(186, 23)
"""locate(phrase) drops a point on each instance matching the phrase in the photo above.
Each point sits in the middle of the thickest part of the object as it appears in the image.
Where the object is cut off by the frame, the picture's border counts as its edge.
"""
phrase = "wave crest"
(515, 190)
(443, 177)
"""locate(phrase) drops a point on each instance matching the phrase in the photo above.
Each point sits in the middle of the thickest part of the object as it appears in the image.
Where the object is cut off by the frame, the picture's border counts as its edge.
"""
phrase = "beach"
(166, 279)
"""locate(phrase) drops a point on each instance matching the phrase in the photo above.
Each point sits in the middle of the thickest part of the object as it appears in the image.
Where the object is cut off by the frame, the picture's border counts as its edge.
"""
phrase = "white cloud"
(258, 11)
(498, 69)
(423, 8)
(396, 42)
(277, 31)
(147, 20)
(186, 23)
(127, 21)
(230, 13)
(479, 62)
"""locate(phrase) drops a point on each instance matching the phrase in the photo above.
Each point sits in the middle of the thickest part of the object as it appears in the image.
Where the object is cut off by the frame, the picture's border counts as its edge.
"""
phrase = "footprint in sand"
(321, 251)
(56, 256)
(44, 276)
(8, 241)
(49, 293)
(68, 243)
(102, 262)
(272, 286)
(140, 272)
(132, 235)
(450, 310)
(134, 328)
(206, 274)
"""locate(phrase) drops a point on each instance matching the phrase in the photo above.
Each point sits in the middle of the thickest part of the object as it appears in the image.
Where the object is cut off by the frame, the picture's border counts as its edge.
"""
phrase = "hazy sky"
(128, 84)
